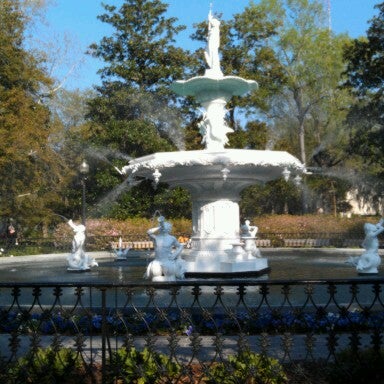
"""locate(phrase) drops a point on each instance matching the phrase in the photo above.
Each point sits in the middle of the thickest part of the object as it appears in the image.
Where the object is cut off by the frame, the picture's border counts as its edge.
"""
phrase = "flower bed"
(182, 322)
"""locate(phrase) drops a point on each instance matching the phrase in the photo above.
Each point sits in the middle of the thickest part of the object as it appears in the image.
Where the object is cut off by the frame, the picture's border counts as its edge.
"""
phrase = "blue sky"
(77, 19)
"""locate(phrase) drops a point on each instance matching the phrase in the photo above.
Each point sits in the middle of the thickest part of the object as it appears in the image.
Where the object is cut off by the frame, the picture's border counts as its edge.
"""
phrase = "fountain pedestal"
(215, 225)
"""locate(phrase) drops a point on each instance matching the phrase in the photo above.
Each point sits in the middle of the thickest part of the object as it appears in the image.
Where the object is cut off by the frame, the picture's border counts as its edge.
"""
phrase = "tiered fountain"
(215, 176)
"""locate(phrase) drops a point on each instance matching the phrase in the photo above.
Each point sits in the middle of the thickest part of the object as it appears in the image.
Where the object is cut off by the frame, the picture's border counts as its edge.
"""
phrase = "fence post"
(103, 334)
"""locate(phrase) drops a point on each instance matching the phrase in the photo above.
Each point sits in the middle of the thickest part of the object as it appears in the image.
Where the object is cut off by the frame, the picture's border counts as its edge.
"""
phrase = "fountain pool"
(285, 263)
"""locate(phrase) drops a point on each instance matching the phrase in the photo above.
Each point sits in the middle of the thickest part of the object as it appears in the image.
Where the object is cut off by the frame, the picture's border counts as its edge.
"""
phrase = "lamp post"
(84, 170)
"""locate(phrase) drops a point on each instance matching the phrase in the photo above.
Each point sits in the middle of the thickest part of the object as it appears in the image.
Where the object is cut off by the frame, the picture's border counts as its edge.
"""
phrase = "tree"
(276, 197)
(134, 111)
(365, 80)
(311, 57)
(307, 112)
(30, 170)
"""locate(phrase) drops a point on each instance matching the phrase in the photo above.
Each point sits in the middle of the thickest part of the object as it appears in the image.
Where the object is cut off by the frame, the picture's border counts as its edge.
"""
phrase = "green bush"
(146, 367)
(247, 368)
(46, 366)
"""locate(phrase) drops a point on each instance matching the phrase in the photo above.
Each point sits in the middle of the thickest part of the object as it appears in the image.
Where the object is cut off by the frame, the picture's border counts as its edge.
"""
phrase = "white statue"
(78, 260)
(248, 230)
(213, 127)
(167, 265)
(370, 259)
(248, 234)
(213, 43)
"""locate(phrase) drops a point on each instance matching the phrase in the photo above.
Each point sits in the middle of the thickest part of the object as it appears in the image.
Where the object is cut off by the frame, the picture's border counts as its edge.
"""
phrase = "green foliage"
(365, 57)
(46, 366)
(175, 203)
(134, 112)
(142, 40)
(274, 197)
(143, 200)
(310, 108)
(247, 368)
(144, 367)
(330, 192)
(254, 136)
(30, 169)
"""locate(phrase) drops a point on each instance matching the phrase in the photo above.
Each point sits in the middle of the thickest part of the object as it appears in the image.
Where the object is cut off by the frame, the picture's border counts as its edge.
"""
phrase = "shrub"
(247, 368)
(46, 366)
(313, 223)
(102, 231)
(146, 367)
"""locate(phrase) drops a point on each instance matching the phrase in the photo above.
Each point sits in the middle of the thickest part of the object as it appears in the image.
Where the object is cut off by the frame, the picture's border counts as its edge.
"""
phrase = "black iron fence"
(192, 331)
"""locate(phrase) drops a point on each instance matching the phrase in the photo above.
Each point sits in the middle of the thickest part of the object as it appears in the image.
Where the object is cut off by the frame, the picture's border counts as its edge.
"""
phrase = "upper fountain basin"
(241, 166)
(205, 88)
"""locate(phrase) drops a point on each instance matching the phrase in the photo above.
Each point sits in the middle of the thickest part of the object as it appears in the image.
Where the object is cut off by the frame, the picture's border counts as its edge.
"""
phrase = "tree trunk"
(302, 142)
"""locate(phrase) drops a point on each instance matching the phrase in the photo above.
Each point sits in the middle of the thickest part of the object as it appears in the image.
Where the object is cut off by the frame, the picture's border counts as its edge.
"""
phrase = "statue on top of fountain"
(213, 91)
(78, 260)
(167, 265)
(213, 127)
(213, 44)
(368, 262)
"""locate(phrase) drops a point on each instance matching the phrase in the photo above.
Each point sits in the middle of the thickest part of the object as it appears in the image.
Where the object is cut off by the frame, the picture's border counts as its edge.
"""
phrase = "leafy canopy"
(134, 111)
(30, 171)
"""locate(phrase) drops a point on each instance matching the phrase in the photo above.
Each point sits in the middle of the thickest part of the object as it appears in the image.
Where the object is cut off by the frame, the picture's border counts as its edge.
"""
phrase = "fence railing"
(191, 327)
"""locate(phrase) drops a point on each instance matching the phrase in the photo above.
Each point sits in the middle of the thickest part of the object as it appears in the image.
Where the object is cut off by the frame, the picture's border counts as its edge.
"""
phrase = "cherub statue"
(248, 230)
(370, 259)
(167, 265)
(214, 128)
(248, 234)
(78, 260)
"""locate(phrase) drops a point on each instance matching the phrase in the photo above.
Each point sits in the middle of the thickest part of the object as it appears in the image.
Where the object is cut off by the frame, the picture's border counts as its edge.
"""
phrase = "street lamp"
(84, 170)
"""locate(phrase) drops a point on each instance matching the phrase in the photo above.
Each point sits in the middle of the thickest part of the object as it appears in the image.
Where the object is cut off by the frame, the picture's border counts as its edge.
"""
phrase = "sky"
(76, 21)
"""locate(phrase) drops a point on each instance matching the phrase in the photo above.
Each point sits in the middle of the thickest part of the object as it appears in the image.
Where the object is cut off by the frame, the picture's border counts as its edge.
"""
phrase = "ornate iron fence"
(184, 331)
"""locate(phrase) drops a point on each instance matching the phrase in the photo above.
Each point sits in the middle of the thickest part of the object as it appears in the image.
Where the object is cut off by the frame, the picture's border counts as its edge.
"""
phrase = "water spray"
(63, 217)
(118, 170)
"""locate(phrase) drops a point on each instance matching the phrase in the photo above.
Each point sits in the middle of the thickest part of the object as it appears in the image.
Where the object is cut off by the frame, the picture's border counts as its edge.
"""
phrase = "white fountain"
(216, 175)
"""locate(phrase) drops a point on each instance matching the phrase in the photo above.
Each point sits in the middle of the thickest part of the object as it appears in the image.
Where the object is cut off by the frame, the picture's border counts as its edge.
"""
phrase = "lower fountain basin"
(246, 167)
(284, 263)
